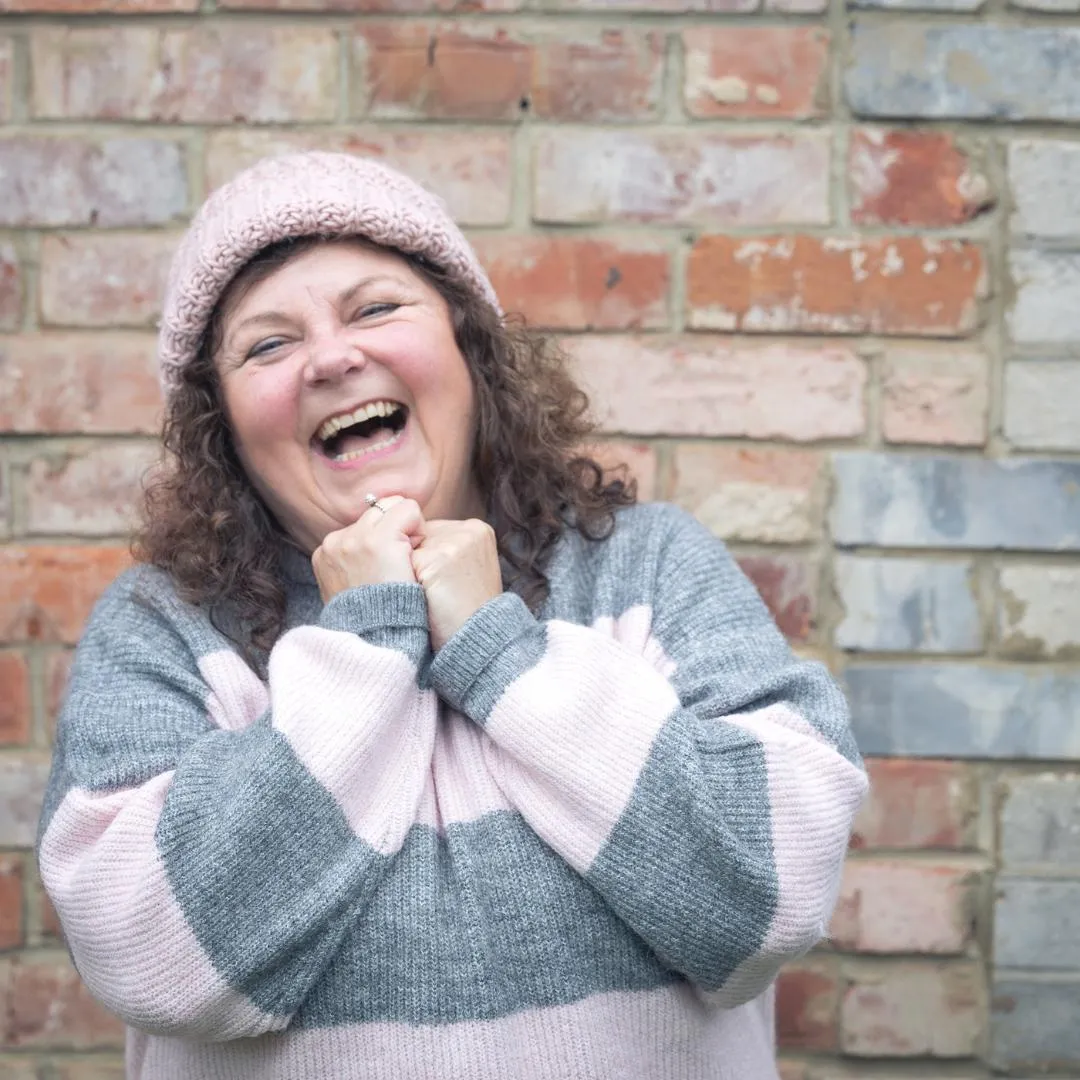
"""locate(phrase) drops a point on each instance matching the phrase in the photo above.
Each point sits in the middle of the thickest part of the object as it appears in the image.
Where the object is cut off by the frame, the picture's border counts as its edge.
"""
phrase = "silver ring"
(373, 502)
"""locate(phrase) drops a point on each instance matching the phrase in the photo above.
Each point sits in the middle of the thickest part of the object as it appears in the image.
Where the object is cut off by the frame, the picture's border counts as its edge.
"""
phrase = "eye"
(371, 310)
(264, 347)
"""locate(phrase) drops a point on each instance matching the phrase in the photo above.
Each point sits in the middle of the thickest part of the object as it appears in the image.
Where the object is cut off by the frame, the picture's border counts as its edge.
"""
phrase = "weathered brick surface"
(747, 71)
(969, 71)
(57, 671)
(469, 170)
(1039, 612)
(964, 711)
(898, 906)
(1035, 1022)
(785, 284)
(98, 7)
(788, 584)
(917, 501)
(203, 74)
(910, 177)
(579, 284)
(7, 50)
(1045, 282)
(14, 698)
(49, 591)
(22, 785)
(1042, 175)
(1040, 404)
(703, 386)
(51, 180)
(907, 605)
(731, 179)
(808, 1005)
(68, 383)
(1040, 823)
(1037, 924)
(935, 396)
(89, 493)
(772, 496)
(916, 804)
(112, 279)
(11, 902)
(913, 1010)
(11, 288)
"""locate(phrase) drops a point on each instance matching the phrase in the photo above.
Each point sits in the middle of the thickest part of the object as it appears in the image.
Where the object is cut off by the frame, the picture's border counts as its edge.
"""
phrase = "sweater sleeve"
(206, 837)
(679, 756)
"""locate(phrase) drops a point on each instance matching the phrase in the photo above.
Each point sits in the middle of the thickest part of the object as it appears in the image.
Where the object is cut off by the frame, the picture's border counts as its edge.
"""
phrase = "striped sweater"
(577, 844)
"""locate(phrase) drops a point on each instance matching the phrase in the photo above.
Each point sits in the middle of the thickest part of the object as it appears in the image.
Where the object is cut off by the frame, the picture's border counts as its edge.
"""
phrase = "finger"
(403, 516)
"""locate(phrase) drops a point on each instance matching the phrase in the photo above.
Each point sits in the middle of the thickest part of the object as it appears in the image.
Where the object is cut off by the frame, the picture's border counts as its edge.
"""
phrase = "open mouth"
(373, 426)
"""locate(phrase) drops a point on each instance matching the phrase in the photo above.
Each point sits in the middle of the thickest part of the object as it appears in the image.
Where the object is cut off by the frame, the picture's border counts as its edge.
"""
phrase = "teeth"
(373, 408)
(352, 454)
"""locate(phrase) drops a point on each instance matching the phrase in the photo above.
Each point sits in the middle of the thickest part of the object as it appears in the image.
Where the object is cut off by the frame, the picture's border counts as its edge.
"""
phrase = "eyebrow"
(274, 318)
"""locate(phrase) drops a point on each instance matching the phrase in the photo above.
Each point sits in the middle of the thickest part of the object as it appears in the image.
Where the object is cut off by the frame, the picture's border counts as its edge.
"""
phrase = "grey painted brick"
(938, 71)
(918, 5)
(1056, 6)
(1035, 1020)
(1047, 285)
(1040, 822)
(1038, 612)
(1042, 176)
(912, 500)
(1037, 924)
(964, 711)
(1042, 403)
(907, 605)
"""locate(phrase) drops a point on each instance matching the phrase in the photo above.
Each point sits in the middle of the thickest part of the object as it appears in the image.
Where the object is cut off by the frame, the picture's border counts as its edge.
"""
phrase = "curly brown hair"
(205, 525)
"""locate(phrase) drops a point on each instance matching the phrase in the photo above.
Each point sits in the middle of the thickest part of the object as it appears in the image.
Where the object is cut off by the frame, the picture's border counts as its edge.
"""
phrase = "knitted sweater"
(574, 845)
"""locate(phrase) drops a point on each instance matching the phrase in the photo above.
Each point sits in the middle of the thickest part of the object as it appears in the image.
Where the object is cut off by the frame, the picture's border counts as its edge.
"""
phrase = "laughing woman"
(412, 747)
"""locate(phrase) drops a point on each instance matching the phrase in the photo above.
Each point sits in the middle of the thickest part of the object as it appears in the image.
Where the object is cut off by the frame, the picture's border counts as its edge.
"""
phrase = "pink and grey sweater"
(578, 844)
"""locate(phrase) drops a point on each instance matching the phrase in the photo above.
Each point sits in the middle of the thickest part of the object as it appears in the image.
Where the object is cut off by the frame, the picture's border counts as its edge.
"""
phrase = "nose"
(331, 356)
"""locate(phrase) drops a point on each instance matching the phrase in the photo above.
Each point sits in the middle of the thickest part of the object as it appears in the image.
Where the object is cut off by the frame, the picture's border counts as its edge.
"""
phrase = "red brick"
(736, 179)
(14, 699)
(638, 458)
(47, 1007)
(50, 931)
(770, 496)
(808, 1005)
(788, 585)
(103, 279)
(57, 671)
(719, 387)
(98, 7)
(598, 76)
(470, 170)
(111, 182)
(756, 72)
(894, 906)
(50, 590)
(198, 74)
(915, 804)
(93, 492)
(376, 7)
(920, 178)
(940, 397)
(11, 289)
(568, 283)
(415, 71)
(914, 1010)
(12, 933)
(78, 384)
(7, 86)
(805, 284)
(23, 776)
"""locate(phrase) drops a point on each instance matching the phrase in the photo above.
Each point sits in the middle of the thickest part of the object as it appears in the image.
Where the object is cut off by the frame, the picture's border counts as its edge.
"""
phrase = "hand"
(374, 549)
(457, 563)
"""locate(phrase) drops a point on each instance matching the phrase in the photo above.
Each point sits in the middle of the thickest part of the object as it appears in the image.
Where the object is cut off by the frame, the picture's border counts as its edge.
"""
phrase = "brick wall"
(821, 268)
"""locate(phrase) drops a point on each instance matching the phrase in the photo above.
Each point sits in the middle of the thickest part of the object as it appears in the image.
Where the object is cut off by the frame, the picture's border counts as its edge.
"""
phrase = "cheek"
(262, 410)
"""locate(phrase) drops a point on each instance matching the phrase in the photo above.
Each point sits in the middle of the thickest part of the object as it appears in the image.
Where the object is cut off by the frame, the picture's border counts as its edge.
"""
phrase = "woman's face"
(341, 376)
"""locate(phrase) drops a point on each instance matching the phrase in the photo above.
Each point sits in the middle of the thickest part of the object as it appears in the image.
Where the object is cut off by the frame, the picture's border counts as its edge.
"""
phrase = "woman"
(413, 748)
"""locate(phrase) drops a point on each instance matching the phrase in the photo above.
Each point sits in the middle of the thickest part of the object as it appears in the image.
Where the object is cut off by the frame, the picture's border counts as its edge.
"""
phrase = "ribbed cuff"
(393, 616)
(499, 643)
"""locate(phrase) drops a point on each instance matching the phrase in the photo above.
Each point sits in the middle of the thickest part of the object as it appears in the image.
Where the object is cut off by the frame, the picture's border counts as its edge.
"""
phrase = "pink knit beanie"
(279, 198)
